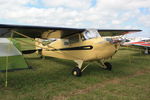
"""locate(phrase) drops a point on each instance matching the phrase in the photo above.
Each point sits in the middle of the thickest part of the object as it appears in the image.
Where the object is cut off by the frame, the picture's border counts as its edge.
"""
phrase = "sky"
(101, 14)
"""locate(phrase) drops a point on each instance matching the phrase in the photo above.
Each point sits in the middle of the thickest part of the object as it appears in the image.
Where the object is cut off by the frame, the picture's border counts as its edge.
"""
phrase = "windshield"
(89, 34)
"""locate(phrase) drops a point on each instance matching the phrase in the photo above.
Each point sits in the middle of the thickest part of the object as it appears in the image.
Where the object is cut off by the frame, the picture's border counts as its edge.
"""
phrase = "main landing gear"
(105, 65)
(108, 66)
(77, 71)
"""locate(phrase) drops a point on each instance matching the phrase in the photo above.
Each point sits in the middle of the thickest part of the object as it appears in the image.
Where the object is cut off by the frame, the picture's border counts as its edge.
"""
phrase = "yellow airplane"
(79, 45)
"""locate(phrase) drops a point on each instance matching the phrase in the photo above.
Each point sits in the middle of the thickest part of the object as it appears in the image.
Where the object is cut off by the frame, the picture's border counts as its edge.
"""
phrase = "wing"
(52, 32)
(38, 31)
(143, 45)
(115, 32)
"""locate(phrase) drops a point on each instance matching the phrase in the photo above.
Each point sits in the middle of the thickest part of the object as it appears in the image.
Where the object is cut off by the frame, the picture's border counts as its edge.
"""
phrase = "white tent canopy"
(7, 48)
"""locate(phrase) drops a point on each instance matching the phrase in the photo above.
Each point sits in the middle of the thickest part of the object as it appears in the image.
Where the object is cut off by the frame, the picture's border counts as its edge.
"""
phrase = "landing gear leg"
(77, 70)
(105, 65)
(39, 52)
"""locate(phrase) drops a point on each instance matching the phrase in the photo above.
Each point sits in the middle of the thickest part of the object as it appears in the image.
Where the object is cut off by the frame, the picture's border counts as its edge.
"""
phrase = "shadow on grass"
(57, 60)
(62, 61)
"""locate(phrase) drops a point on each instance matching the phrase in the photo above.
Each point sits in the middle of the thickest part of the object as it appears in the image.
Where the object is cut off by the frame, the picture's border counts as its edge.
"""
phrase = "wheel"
(108, 66)
(76, 72)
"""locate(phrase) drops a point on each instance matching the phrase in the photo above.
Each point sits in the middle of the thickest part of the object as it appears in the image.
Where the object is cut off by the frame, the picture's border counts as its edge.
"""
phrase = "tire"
(76, 72)
(108, 66)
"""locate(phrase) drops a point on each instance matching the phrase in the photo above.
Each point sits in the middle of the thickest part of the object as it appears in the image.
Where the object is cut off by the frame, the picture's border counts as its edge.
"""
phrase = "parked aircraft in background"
(142, 43)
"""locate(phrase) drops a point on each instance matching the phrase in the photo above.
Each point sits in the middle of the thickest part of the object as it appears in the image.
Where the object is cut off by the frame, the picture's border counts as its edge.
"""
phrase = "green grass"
(51, 79)
(135, 88)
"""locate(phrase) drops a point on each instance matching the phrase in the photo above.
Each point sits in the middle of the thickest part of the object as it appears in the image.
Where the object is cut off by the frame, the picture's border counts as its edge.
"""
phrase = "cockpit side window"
(89, 34)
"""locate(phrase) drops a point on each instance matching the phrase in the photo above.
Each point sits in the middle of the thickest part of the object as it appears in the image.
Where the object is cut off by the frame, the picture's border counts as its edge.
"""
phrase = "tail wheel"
(108, 66)
(76, 72)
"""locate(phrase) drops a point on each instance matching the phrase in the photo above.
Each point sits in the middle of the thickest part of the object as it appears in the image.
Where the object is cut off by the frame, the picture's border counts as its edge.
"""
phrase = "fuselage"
(92, 49)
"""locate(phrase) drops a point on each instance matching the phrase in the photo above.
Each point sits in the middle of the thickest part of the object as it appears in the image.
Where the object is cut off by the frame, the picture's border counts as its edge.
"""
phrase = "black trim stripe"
(31, 51)
(88, 47)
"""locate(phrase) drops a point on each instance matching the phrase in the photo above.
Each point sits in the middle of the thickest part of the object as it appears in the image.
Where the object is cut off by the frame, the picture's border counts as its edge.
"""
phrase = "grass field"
(51, 79)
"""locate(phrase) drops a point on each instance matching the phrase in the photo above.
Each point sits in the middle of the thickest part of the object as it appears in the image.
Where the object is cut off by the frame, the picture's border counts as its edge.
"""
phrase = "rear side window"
(73, 39)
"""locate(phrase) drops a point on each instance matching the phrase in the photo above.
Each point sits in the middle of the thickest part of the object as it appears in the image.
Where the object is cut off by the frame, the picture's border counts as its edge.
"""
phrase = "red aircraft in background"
(141, 44)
